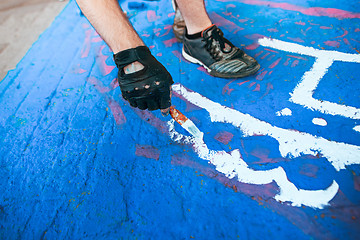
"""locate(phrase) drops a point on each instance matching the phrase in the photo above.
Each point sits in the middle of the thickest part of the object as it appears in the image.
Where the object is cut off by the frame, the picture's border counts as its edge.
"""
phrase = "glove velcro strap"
(128, 56)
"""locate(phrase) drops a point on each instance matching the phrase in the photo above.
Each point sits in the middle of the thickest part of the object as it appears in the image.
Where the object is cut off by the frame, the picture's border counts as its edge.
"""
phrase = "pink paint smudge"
(116, 110)
(223, 22)
(177, 54)
(151, 16)
(346, 32)
(257, 88)
(147, 151)
(300, 23)
(105, 69)
(332, 43)
(170, 42)
(227, 89)
(274, 64)
(252, 46)
(224, 137)
(251, 84)
(297, 39)
(96, 39)
(258, 54)
(272, 30)
(243, 82)
(295, 63)
(312, 11)
(357, 183)
(325, 27)
(309, 170)
(266, 54)
(287, 62)
(87, 44)
(261, 76)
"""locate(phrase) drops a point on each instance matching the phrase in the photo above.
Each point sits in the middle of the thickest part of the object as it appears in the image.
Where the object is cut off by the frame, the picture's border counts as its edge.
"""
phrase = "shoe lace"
(215, 43)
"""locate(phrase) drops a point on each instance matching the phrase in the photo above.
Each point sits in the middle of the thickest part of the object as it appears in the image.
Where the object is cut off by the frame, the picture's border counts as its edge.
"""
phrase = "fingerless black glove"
(148, 88)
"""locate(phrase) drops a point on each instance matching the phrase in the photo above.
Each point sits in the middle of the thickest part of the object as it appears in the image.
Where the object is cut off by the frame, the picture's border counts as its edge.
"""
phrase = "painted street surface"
(280, 154)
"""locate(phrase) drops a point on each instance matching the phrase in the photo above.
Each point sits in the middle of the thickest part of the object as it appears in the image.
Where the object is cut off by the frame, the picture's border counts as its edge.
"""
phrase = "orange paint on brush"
(177, 116)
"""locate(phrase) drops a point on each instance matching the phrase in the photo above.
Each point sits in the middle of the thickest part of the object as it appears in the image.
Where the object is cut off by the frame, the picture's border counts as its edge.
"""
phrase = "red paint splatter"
(147, 151)
(274, 64)
(332, 43)
(170, 42)
(224, 137)
(261, 76)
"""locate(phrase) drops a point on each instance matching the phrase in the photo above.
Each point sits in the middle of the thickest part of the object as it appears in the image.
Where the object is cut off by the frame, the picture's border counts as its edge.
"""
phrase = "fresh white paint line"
(319, 121)
(303, 92)
(284, 112)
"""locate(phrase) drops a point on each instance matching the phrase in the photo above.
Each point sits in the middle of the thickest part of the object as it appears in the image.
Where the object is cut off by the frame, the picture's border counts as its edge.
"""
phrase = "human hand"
(147, 88)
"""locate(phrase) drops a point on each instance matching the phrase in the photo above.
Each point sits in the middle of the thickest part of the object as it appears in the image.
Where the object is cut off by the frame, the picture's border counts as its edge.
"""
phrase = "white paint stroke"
(303, 92)
(284, 112)
(319, 121)
(233, 166)
(292, 143)
(357, 128)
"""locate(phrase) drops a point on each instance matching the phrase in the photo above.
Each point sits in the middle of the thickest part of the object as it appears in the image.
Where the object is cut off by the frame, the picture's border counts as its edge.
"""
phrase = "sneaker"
(218, 55)
(179, 23)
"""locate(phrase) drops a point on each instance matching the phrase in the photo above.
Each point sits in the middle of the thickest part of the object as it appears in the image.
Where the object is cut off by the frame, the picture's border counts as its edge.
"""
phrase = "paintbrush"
(186, 123)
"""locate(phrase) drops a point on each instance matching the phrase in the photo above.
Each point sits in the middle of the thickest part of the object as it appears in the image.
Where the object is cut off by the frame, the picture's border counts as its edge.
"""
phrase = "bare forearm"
(108, 19)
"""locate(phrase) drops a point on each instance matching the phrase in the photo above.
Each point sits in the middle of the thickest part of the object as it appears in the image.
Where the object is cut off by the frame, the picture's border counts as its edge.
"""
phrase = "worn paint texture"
(280, 153)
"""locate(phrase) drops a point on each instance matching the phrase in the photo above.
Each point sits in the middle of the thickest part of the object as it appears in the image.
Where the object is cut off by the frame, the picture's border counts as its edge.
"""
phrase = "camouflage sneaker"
(218, 55)
(179, 23)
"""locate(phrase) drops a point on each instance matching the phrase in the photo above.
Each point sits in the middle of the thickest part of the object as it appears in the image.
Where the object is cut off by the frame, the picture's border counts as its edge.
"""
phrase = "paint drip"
(186, 123)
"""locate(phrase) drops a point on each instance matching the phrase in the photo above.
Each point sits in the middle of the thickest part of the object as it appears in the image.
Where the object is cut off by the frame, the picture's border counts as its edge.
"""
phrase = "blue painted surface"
(77, 162)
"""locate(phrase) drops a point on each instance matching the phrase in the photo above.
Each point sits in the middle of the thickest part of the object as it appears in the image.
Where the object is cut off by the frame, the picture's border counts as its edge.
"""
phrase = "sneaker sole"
(215, 74)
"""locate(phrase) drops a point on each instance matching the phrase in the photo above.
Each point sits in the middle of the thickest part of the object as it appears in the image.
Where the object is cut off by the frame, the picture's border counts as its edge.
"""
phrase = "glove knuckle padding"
(148, 88)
